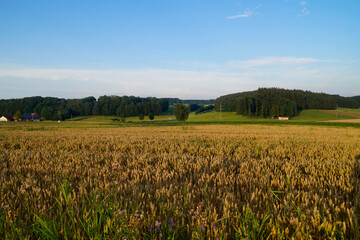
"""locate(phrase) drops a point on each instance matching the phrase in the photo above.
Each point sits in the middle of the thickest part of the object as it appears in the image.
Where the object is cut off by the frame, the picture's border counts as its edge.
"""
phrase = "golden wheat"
(305, 178)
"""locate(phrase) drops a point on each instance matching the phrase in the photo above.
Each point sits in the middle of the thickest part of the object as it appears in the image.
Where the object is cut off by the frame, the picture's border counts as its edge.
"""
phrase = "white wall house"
(283, 118)
(3, 119)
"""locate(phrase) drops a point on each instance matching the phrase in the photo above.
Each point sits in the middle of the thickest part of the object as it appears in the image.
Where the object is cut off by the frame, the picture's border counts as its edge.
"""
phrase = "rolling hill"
(274, 102)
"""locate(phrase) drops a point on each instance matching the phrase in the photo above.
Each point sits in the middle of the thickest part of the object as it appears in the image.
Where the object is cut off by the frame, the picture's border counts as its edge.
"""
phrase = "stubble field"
(180, 182)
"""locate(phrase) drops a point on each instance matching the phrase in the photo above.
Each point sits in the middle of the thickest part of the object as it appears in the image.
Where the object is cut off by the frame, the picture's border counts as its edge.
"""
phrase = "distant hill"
(274, 102)
(230, 101)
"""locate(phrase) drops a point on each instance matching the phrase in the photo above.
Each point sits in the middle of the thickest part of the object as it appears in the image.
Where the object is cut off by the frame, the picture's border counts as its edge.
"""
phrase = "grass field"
(306, 115)
(342, 118)
(326, 115)
(215, 116)
(179, 182)
(110, 119)
(351, 110)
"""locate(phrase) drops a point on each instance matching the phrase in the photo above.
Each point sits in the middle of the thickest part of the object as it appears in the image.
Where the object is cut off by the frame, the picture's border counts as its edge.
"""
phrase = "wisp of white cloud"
(247, 13)
(305, 11)
(243, 15)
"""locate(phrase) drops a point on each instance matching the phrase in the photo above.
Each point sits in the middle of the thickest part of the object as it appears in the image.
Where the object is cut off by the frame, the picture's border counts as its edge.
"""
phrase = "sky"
(189, 49)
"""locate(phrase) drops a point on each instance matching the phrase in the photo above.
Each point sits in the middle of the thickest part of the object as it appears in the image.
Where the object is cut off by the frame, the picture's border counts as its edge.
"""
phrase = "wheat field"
(180, 182)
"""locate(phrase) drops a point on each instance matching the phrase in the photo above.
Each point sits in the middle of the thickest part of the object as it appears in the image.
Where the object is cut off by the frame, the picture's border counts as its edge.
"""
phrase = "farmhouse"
(6, 119)
(30, 117)
(283, 118)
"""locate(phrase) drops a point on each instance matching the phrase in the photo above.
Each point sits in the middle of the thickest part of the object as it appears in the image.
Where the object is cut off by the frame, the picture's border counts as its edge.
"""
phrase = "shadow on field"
(356, 183)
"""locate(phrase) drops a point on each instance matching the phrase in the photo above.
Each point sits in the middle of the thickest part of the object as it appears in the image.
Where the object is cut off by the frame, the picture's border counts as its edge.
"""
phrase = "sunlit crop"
(192, 182)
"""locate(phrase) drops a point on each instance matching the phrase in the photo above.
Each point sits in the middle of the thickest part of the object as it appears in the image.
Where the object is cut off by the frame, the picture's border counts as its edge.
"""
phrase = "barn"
(30, 117)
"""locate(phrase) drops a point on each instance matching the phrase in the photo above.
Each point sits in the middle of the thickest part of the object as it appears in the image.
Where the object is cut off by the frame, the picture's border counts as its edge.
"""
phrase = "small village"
(33, 117)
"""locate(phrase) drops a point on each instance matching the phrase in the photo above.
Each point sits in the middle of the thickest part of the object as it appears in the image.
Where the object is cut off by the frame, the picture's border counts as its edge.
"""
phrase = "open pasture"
(180, 182)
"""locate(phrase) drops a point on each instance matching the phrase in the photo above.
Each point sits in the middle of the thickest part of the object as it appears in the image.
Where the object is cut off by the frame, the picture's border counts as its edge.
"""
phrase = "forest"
(51, 108)
(275, 102)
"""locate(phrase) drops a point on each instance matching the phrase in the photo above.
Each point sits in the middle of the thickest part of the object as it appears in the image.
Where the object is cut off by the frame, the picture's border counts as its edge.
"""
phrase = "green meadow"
(306, 117)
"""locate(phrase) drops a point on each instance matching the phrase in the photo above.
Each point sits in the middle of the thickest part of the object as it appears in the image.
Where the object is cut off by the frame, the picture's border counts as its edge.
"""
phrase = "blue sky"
(186, 49)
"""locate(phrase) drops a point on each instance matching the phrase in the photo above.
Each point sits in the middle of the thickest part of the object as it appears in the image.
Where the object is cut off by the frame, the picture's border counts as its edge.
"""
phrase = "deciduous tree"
(181, 112)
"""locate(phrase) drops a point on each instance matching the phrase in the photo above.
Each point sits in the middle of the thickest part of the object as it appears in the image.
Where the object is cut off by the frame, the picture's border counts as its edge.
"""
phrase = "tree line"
(274, 102)
(51, 108)
(174, 101)
(356, 98)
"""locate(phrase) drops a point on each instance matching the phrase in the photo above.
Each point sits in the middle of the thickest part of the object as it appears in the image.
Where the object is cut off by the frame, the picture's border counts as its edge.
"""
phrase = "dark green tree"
(193, 107)
(181, 112)
(151, 116)
(96, 109)
(141, 116)
(49, 113)
(164, 103)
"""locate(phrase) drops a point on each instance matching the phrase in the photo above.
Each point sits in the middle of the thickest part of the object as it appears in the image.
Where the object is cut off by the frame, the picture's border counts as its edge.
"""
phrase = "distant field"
(211, 116)
(350, 110)
(306, 115)
(111, 118)
(146, 118)
(91, 119)
(355, 120)
(326, 115)
(215, 116)
(341, 117)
